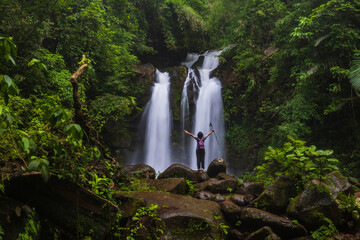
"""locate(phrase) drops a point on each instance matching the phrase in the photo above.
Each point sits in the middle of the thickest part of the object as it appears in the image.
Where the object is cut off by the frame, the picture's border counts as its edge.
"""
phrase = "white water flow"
(158, 124)
(209, 109)
(185, 114)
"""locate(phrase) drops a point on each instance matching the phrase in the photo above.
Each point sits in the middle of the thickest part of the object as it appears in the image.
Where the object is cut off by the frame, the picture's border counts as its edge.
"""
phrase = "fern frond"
(355, 73)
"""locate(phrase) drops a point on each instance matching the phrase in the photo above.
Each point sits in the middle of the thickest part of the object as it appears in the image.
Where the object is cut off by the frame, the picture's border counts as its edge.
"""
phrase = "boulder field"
(180, 203)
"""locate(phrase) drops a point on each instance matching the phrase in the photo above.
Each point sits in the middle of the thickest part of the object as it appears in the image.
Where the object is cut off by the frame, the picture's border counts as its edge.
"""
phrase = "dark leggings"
(200, 156)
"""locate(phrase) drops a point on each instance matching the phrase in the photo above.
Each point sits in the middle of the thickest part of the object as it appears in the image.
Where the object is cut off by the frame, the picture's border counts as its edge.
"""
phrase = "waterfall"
(185, 114)
(157, 118)
(209, 109)
(201, 104)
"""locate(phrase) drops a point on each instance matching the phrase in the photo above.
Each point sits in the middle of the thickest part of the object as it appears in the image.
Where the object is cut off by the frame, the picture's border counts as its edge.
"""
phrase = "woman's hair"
(200, 135)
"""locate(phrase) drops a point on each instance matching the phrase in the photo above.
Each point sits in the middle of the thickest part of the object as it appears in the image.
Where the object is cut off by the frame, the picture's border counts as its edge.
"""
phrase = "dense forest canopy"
(288, 73)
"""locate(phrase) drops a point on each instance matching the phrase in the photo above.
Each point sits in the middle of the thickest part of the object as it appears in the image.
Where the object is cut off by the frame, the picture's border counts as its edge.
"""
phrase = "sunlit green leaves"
(7, 87)
(355, 72)
(7, 49)
(74, 131)
(38, 64)
(40, 164)
(297, 160)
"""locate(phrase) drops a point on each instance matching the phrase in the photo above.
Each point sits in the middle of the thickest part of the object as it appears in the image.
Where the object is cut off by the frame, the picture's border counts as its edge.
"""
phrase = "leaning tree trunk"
(79, 114)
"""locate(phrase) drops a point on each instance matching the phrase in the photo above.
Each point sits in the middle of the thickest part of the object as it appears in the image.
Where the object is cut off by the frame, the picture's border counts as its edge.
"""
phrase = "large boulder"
(256, 218)
(64, 204)
(218, 186)
(312, 205)
(173, 185)
(263, 233)
(217, 166)
(231, 211)
(225, 176)
(204, 195)
(136, 171)
(185, 217)
(128, 205)
(339, 183)
(178, 171)
(240, 199)
(251, 189)
(201, 176)
(276, 196)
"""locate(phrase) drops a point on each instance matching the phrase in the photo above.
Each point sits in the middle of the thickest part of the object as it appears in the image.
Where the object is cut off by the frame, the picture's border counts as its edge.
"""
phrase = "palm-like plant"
(354, 75)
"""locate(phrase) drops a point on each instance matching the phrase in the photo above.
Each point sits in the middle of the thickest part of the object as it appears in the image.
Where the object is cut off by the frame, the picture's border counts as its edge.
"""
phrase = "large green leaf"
(355, 73)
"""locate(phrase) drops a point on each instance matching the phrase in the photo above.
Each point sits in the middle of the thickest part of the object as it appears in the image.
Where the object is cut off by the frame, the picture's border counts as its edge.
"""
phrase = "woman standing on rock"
(200, 147)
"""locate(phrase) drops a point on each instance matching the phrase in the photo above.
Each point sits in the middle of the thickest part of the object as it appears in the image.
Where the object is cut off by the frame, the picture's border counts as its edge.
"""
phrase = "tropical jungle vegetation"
(68, 70)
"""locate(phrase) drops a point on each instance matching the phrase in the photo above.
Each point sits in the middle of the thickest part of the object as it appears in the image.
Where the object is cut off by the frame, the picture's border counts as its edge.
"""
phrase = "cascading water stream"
(157, 117)
(204, 104)
(209, 109)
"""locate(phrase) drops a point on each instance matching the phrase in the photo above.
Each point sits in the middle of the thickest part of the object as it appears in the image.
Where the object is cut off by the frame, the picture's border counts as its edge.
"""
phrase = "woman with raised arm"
(200, 147)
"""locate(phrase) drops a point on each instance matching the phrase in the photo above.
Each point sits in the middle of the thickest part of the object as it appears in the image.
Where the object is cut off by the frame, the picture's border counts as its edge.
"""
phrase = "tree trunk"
(79, 114)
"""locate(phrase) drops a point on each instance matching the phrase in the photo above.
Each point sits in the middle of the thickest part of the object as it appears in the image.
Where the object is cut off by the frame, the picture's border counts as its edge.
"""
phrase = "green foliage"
(297, 160)
(135, 185)
(152, 228)
(111, 107)
(355, 72)
(325, 231)
(32, 227)
(7, 87)
(101, 185)
(222, 227)
(1, 232)
(191, 187)
(7, 49)
(40, 164)
(238, 137)
(349, 205)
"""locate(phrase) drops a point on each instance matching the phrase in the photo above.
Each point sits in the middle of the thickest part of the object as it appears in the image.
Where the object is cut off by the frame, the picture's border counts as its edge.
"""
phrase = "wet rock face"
(185, 217)
(172, 185)
(240, 199)
(64, 204)
(232, 212)
(204, 195)
(136, 171)
(215, 167)
(339, 183)
(218, 186)
(276, 197)
(255, 219)
(263, 233)
(178, 171)
(316, 200)
(224, 176)
(253, 189)
(201, 176)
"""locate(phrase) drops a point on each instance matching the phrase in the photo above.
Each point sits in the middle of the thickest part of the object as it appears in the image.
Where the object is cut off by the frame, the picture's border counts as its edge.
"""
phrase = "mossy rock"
(186, 217)
(251, 189)
(217, 166)
(263, 233)
(276, 196)
(136, 171)
(314, 204)
(178, 171)
(172, 185)
(255, 218)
